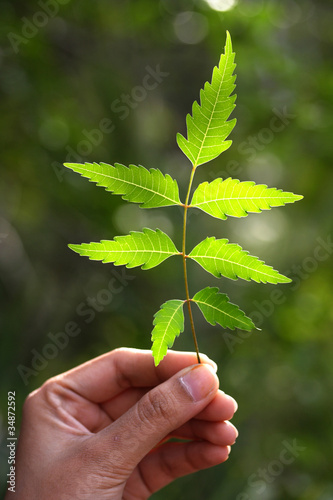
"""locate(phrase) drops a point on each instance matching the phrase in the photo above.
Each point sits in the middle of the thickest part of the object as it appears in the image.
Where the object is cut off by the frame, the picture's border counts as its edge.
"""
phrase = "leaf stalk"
(188, 300)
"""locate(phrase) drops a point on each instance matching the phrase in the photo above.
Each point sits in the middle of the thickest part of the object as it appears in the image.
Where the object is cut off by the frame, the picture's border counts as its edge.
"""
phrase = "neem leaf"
(169, 323)
(208, 127)
(147, 249)
(216, 308)
(232, 197)
(207, 131)
(221, 258)
(137, 184)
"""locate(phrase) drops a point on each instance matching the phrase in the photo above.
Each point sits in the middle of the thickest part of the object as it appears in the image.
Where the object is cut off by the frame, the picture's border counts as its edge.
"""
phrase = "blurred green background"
(72, 84)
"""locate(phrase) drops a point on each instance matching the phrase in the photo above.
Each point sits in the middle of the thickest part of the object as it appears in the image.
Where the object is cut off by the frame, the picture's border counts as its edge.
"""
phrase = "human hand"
(100, 431)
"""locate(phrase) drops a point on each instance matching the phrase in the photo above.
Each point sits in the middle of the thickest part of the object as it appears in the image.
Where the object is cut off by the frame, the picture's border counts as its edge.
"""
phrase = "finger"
(223, 407)
(156, 415)
(122, 402)
(102, 378)
(171, 461)
(220, 409)
(218, 433)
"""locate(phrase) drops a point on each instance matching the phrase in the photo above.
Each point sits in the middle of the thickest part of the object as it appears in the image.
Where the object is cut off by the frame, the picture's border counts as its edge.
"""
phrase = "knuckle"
(50, 394)
(155, 406)
(34, 398)
(119, 351)
(49, 389)
(168, 467)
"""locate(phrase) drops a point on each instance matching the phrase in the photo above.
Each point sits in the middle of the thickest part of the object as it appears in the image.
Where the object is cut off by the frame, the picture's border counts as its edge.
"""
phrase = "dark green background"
(62, 81)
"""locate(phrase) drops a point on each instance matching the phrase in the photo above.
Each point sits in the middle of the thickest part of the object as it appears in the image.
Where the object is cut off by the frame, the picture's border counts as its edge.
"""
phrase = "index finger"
(102, 378)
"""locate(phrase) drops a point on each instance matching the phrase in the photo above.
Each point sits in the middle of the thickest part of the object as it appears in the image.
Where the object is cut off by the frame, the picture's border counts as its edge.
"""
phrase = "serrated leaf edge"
(181, 305)
(227, 301)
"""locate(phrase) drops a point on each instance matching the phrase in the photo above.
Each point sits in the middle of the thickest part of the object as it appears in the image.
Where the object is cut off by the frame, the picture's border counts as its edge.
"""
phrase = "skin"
(101, 430)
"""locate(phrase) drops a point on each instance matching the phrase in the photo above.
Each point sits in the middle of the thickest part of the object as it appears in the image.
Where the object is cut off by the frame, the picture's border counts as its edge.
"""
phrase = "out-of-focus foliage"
(112, 81)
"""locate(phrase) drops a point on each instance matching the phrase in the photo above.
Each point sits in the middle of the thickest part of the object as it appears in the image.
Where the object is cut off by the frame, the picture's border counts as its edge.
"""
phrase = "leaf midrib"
(215, 104)
(133, 251)
(265, 198)
(219, 310)
(162, 339)
(233, 263)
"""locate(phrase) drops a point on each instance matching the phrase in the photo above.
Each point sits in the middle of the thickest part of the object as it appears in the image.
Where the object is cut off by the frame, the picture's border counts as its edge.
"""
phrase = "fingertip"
(233, 401)
(216, 454)
(231, 432)
(206, 360)
(199, 381)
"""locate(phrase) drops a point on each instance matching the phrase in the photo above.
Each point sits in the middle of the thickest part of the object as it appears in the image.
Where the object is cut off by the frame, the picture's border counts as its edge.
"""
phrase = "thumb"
(163, 409)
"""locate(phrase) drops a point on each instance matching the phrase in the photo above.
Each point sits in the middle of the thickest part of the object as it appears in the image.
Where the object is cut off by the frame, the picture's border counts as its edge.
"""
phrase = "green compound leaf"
(135, 183)
(232, 197)
(221, 258)
(147, 249)
(169, 323)
(208, 127)
(216, 308)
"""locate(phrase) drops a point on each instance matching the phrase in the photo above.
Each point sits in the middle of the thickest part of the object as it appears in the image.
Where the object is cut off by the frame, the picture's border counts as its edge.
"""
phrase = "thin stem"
(188, 300)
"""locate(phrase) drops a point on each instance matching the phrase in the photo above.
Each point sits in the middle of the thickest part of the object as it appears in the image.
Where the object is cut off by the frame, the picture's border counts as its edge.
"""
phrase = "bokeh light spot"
(222, 5)
(190, 27)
